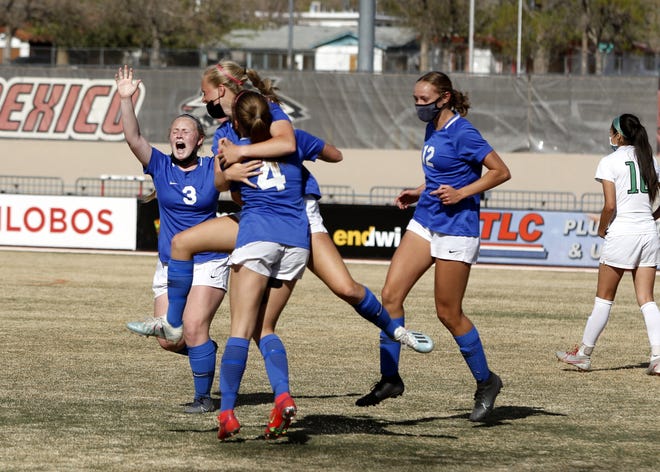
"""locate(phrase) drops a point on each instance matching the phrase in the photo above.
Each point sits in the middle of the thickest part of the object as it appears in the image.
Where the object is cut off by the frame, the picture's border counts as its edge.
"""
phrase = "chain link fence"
(450, 59)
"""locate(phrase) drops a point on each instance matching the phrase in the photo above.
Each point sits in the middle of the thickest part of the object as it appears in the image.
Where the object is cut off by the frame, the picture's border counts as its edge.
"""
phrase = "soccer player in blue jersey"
(272, 247)
(220, 85)
(184, 183)
(222, 82)
(444, 232)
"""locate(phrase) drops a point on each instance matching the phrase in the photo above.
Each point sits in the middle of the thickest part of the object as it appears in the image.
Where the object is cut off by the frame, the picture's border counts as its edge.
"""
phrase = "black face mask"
(185, 163)
(215, 111)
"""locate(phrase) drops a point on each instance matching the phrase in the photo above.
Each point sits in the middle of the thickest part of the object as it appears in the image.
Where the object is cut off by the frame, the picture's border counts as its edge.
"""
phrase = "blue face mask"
(612, 145)
(428, 112)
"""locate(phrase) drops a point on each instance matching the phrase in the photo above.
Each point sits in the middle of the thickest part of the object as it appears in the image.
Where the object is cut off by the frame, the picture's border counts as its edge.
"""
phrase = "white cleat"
(574, 358)
(654, 366)
(413, 339)
(158, 327)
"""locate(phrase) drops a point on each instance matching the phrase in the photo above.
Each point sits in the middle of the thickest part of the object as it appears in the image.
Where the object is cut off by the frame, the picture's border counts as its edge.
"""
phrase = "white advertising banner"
(68, 221)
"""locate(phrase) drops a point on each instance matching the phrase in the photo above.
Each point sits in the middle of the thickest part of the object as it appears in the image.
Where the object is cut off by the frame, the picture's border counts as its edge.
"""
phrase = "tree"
(70, 23)
(553, 27)
(14, 14)
(438, 22)
(548, 26)
(610, 24)
(149, 24)
(503, 24)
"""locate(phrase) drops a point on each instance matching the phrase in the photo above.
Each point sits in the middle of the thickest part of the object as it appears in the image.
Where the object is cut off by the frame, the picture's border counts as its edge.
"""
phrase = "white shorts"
(419, 230)
(272, 259)
(629, 251)
(314, 216)
(448, 247)
(213, 273)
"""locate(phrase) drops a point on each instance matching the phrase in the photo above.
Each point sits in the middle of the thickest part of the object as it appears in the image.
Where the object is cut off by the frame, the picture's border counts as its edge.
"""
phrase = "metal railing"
(384, 195)
(114, 186)
(592, 202)
(142, 186)
(16, 184)
(530, 200)
(338, 194)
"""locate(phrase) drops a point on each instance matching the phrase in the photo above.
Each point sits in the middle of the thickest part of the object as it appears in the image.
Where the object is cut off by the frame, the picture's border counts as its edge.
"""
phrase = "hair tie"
(235, 102)
(229, 76)
(238, 95)
(617, 126)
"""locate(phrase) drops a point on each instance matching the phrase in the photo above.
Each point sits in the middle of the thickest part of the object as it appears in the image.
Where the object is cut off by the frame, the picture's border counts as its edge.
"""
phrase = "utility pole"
(366, 35)
(289, 55)
(471, 39)
(519, 42)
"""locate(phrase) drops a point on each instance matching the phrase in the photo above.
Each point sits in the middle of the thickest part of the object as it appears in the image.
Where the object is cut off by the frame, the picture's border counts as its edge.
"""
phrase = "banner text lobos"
(59, 108)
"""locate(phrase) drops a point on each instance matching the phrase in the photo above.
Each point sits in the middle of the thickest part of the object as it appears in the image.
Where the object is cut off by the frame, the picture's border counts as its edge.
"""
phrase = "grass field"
(80, 392)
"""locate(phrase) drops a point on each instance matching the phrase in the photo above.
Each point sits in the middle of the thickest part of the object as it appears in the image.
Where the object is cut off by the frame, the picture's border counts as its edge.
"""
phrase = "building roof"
(306, 37)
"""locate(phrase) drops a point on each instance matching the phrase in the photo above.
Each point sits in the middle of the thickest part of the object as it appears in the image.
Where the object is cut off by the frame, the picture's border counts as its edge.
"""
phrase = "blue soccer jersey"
(275, 210)
(184, 200)
(309, 146)
(226, 130)
(451, 156)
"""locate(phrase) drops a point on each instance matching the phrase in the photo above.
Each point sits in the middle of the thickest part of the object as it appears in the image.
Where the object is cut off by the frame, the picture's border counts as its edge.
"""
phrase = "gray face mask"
(428, 112)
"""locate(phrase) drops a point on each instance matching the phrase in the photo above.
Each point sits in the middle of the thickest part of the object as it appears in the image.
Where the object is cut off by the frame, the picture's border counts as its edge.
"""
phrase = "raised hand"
(126, 86)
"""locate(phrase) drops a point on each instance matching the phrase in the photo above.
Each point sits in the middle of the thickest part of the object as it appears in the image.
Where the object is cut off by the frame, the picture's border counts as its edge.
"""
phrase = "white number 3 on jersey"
(190, 195)
(271, 176)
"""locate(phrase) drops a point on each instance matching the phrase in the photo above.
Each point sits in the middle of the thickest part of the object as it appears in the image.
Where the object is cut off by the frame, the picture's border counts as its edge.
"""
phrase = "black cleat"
(386, 387)
(484, 397)
(200, 405)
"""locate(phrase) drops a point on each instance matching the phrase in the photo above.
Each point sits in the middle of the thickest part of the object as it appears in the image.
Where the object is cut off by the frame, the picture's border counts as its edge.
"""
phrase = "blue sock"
(390, 351)
(202, 364)
(184, 349)
(232, 368)
(474, 355)
(179, 281)
(372, 310)
(277, 366)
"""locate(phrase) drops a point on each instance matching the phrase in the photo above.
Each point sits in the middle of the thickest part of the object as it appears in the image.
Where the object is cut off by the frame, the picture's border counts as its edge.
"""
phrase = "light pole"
(289, 55)
(366, 35)
(519, 42)
(471, 39)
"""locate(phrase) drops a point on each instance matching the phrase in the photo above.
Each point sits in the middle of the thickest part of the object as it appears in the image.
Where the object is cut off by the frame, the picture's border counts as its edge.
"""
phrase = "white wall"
(343, 58)
(22, 46)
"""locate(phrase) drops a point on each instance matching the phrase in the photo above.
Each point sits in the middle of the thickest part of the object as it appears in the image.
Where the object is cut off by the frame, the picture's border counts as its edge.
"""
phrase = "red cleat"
(281, 416)
(228, 425)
